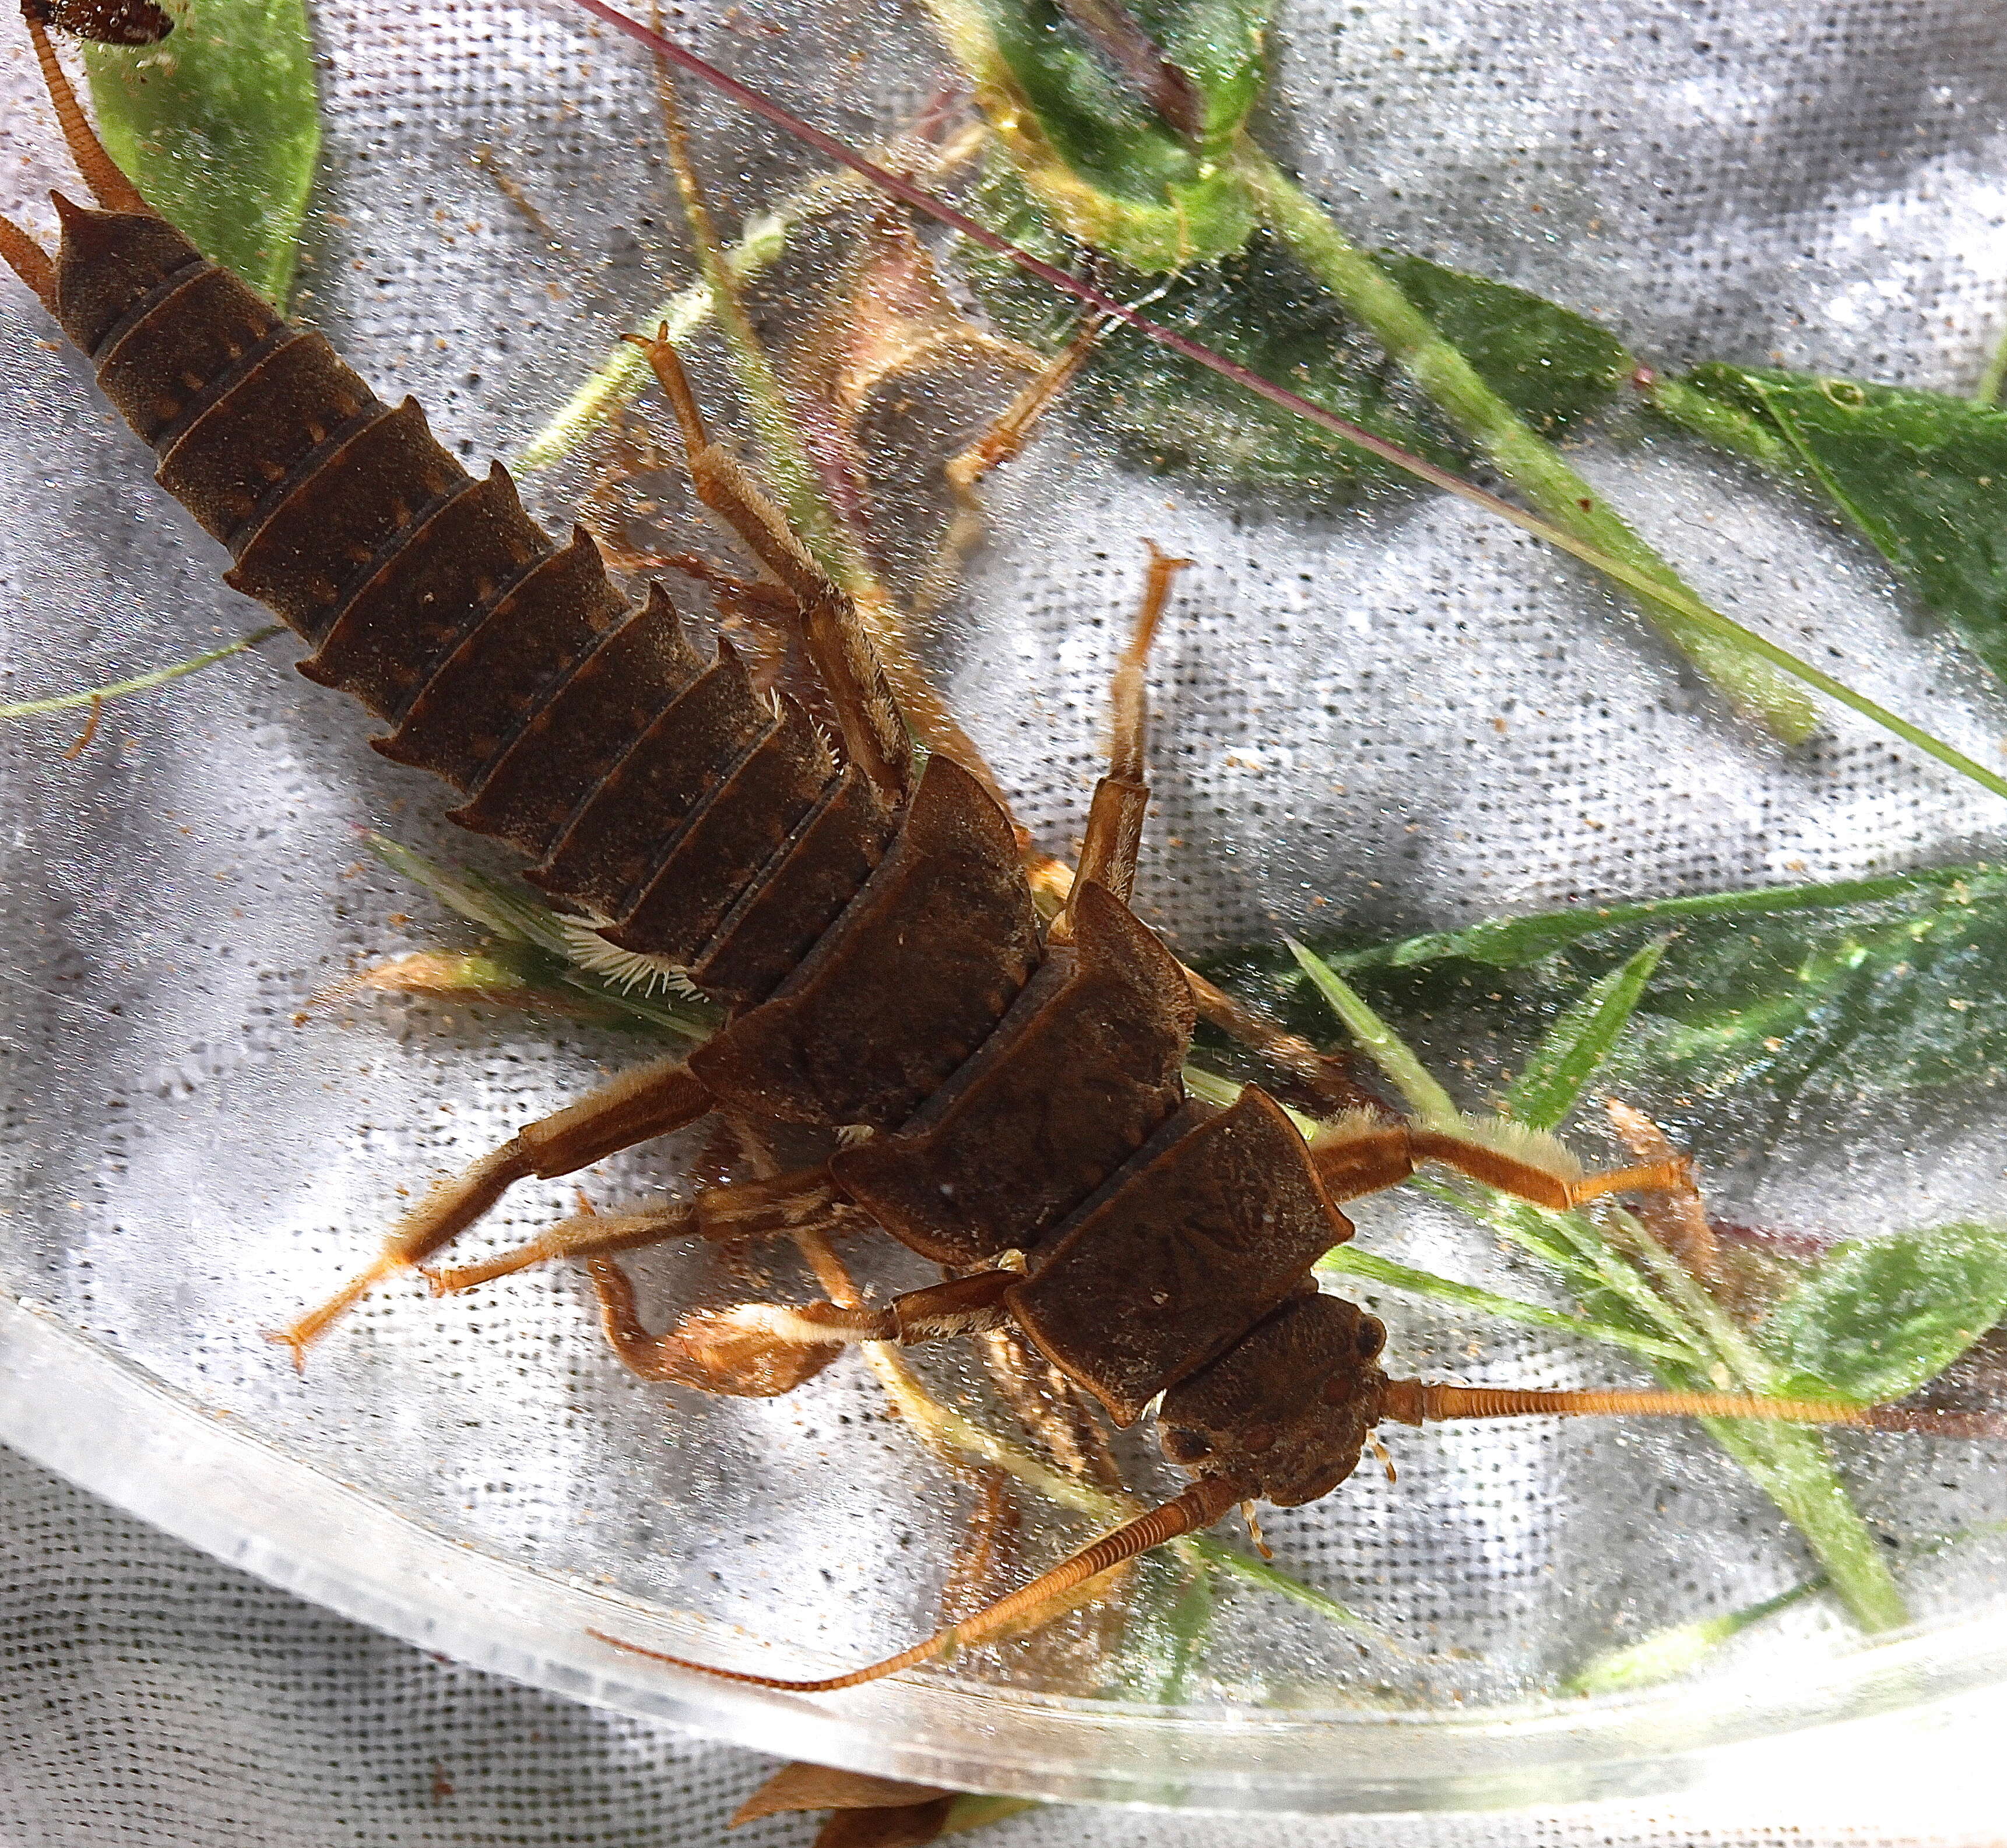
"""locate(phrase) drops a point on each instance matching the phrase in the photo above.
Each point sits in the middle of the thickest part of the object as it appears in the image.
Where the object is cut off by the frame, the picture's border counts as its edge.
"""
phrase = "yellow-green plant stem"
(1668, 1654)
(1793, 1467)
(626, 373)
(788, 473)
(159, 677)
(1987, 392)
(760, 245)
(1533, 465)
(1723, 425)
(1378, 1041)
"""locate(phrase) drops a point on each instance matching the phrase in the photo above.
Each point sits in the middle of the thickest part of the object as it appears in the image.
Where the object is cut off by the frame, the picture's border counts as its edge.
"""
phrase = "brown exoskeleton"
(1001, 1093)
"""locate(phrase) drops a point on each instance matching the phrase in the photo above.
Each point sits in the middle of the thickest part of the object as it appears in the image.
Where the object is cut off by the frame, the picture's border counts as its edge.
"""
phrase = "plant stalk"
(1722, 425)
(1792, 1467)
(159, 677)
(760, 245)
(1986, 394)
(788, 473)
(1532, 464)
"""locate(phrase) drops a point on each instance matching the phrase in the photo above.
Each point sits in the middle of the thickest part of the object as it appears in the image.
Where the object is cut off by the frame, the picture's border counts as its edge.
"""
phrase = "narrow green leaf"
(511, 919)
(1858, 988)
(1580, 1041)
(1685, 1647)
(1256, 1572)
(1668, 1654)
(1187, 1626)
(219, 126)
(1516, 942)
(1262, 310)
(1171, 1611)
(973, 1809)
(1880, 1317)
(117, 689)
(519, 919)
(1922, 474)
(1378, 1040)
(1349, 1260)
(1792, 1465)
(1552, 366)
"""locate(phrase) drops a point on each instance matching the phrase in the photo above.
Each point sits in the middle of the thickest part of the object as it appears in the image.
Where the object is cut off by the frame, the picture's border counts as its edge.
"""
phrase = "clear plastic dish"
(1387, 709)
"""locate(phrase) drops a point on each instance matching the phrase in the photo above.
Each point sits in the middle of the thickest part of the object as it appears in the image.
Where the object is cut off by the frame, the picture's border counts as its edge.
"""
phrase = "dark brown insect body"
(881, 958)
(869, 928)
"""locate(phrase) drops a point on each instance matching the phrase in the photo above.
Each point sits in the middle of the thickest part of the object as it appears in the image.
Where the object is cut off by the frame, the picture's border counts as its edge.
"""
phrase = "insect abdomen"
(656, 790)
(663, 796)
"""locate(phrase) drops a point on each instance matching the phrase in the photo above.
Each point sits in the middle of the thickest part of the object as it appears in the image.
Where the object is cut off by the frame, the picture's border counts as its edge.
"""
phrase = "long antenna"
(1200, 1506)
(101, 174)
(1417, 1402)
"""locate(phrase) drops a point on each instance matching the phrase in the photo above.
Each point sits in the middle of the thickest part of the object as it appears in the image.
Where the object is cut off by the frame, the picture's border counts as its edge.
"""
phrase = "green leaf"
(1922, 474)
(1349, 1261)
(1580, 1040)
(1551, 364)
(1216, 1552)
(1879, 1317)
(1261, 309)
(1378, 1041)
(1162, 1641)
(1858, 989)
(1085, 138)
(1669, 1654)
(517, 919)
(219, 126)
(1517, 943)
(972, 1809)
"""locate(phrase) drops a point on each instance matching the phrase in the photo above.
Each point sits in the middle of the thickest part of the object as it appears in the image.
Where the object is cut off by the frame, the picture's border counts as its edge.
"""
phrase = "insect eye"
(1371, 1338)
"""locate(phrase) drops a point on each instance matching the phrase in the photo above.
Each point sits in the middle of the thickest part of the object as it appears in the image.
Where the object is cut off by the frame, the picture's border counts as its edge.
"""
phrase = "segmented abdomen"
(661, 795)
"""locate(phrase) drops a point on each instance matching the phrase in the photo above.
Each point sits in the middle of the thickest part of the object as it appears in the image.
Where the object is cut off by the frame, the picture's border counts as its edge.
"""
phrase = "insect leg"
(759, 1349)
(650, 1100)
(1677, 1217)
(746, 1210)
(1122, 797)
(584, 1235)
(755, 1350)
(1114, 837)
(29, 261)
(1362, 1153)
(874, 731)
(1001, 443)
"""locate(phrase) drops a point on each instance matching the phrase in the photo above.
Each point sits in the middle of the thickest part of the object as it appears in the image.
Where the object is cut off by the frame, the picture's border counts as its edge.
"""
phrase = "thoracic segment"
(1078, 1075)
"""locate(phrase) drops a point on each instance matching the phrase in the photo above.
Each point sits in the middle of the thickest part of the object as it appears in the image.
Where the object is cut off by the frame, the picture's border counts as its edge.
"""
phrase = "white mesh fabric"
(1396, 712)
(149, 1695)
